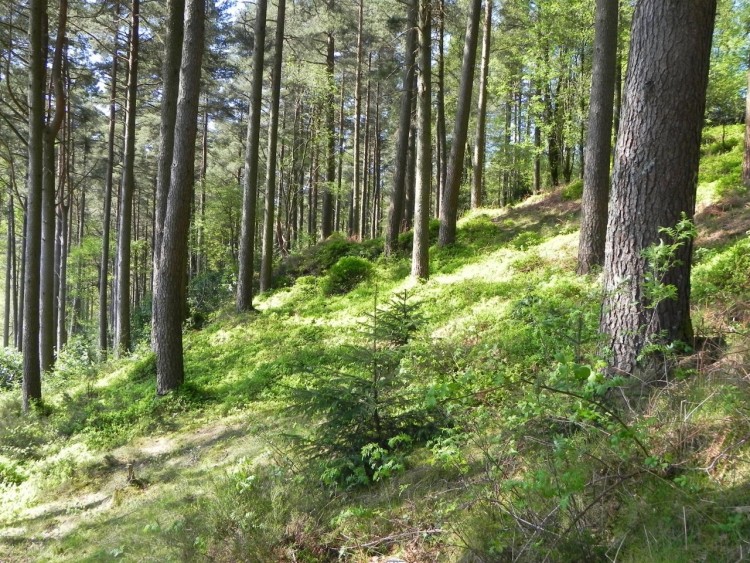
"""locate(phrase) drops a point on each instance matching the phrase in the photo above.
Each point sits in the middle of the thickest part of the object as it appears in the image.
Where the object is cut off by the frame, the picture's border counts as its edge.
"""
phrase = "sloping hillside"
(460, 419)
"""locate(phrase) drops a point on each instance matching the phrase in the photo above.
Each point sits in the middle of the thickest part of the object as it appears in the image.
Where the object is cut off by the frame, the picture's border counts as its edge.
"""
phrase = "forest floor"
(514, 448)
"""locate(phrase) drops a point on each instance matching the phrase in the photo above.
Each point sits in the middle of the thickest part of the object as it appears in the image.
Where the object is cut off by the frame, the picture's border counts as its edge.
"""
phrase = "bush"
(346, 274)
(206, 293)
(11, 368)
(573, 191)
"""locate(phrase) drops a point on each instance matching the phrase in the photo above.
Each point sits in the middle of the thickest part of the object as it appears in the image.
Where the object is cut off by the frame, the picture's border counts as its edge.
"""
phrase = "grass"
(536, 457)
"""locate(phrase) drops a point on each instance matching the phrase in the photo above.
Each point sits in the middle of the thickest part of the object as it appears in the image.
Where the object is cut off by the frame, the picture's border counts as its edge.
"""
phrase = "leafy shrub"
(206, 293)
(526, 240)
(11, 368)
(10, 472)
(77, 360)
(724, 275)
(346, 274)
(406, 240)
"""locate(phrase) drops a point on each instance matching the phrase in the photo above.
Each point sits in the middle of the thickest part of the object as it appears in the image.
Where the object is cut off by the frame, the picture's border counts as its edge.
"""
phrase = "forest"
(388, 281)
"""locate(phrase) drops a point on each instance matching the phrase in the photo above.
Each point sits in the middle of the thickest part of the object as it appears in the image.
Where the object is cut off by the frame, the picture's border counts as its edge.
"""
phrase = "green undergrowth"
(358, 413)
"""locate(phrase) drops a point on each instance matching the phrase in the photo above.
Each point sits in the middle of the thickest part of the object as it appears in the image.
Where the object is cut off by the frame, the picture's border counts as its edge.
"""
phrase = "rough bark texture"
(109, 175)
(656, 166)
(122, 318)
(170, 277)
(420, 257)
(250, 187)
(398, 196)
(32, 381)
(449, 204)
(273, 138)
(599, 139)
(479, 145)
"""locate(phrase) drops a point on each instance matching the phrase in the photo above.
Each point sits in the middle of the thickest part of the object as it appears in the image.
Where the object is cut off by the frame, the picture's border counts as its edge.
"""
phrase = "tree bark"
(599, 140)
(32, 382)
(108, 184)
(250, 185)
(655, 174)
(746, 156)
(273, 138)
(357, 178)
(398, 197)
(169, 305)
(479, 145)
(122, 319)
(420, 267)
(326, 216)
(449, 204)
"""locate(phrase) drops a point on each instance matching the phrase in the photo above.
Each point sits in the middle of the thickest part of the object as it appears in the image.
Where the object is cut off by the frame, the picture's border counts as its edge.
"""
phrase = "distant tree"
(477, 178)
(599, 139)
(655, 174)
(169, 279)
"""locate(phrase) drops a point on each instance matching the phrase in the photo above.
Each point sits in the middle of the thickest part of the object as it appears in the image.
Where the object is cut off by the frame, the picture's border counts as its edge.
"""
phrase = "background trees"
(346, 150)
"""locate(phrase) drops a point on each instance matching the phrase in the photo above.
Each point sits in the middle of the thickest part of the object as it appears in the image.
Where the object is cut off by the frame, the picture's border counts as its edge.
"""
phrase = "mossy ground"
(532, 464)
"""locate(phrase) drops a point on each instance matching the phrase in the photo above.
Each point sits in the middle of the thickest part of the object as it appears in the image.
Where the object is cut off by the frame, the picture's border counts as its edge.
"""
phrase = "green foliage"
(77, 360)
(573, 191)
(206, 293)
(369, 406)
(11, 368)
(661, 258)
(723, 274)
(345, 274)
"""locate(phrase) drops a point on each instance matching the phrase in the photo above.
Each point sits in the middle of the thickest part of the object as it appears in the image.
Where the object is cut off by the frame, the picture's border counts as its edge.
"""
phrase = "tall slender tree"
(127, 188)
(449, 204)
(273, 139)
(599, 139)
(477, 178)
(250, 185)
(398, 195)
(32, 381)
(420, 267)
(655, 174)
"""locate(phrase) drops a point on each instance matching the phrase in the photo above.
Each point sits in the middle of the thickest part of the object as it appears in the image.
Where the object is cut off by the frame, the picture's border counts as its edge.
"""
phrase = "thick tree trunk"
(598, 142)
(398, 197)
(365, 192)
(32, 382)
(442, 140)
(420, 257)
(273, 139)
(108, 185)
(8, 275)
(479, 145)
(655, 175)
(169, 305)
(250, 185)
(122, 319)
(449, 204)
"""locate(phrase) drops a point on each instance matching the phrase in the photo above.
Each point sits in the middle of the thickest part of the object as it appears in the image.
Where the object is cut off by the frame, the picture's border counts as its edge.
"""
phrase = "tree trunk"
(273, 138)
(746, 157)
(442, 141)
(449, 205)
(47, 265)
(169, 305)
(32, 382)
(357, 178)
(326, 217)
(8, 275)
(420, 257)
(122, 319)
(108, 177)
(655, 174)
(250, 186)
(398, 197)
(479, 145)
(598, 143)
